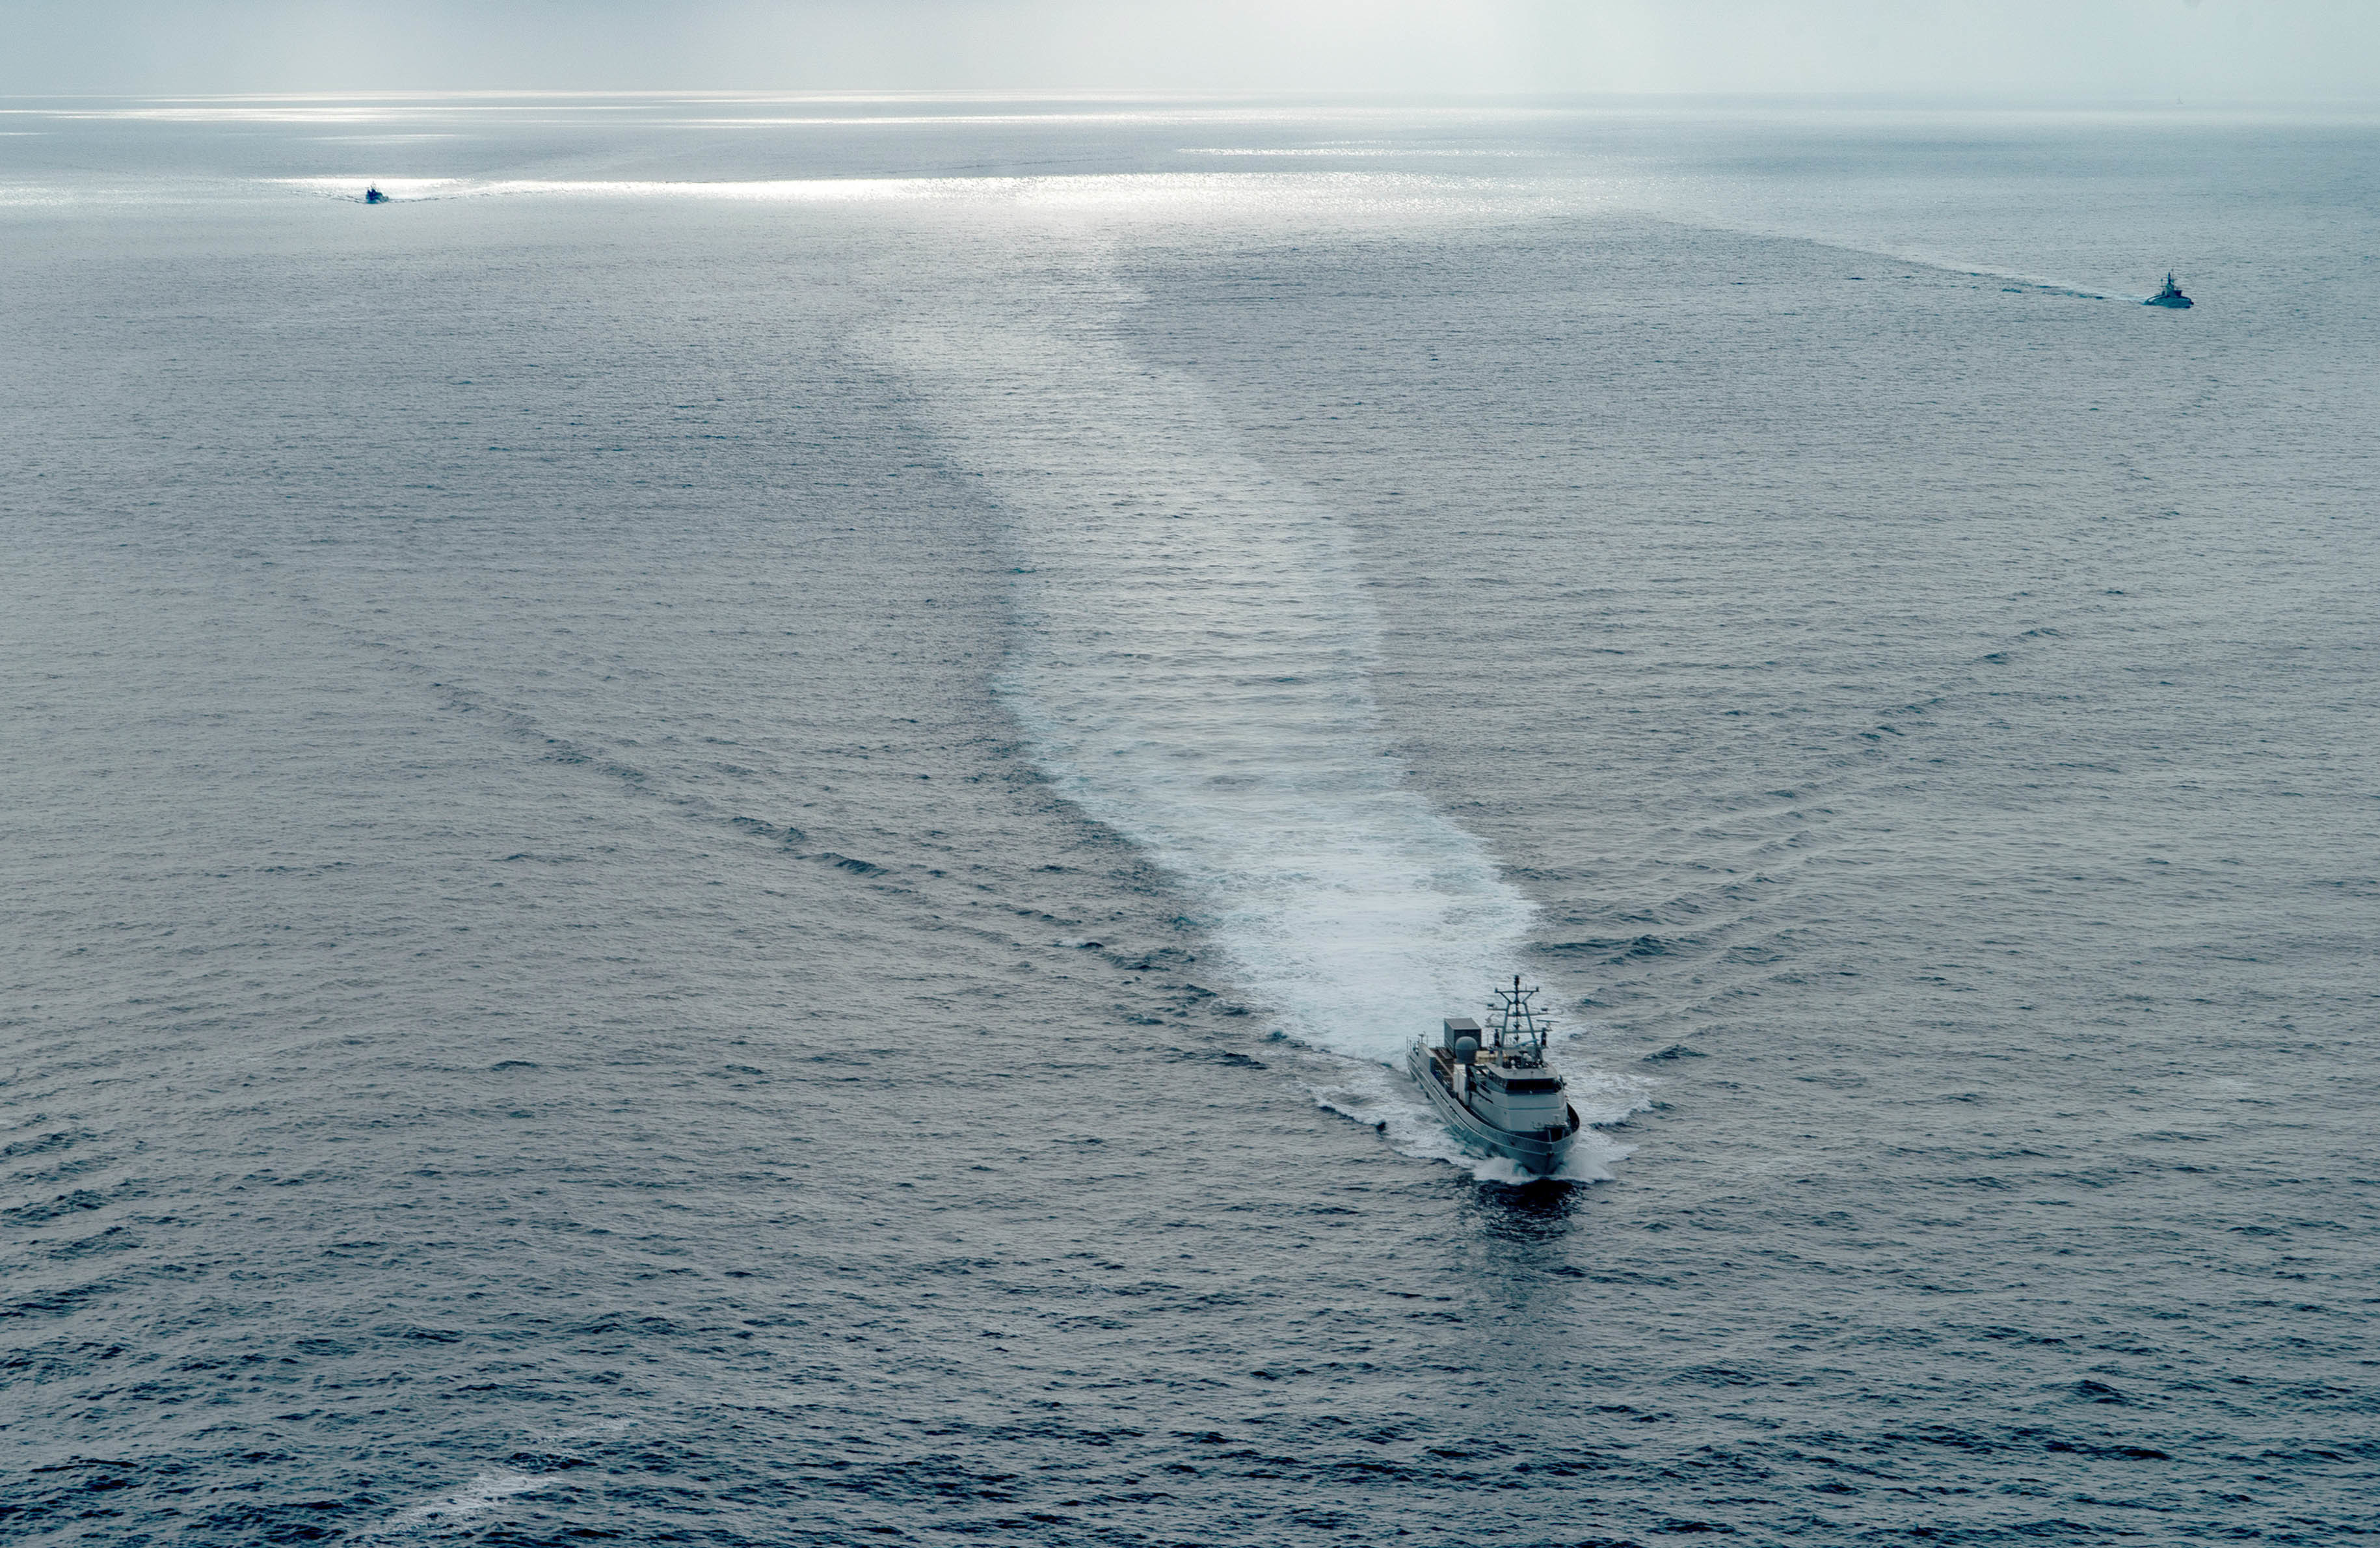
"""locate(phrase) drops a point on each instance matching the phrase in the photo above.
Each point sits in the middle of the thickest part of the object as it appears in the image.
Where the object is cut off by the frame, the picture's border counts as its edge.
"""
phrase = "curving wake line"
(1193, 665)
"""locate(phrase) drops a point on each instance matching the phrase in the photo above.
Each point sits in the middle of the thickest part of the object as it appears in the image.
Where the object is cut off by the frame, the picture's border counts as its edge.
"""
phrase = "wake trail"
(1193, 665)
(1907, 256)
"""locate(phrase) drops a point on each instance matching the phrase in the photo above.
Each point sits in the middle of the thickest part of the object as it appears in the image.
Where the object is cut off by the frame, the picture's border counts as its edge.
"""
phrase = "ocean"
(723, 830)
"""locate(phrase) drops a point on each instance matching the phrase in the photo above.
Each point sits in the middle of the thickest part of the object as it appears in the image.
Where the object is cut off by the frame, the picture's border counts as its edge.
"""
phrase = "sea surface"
(723, 832)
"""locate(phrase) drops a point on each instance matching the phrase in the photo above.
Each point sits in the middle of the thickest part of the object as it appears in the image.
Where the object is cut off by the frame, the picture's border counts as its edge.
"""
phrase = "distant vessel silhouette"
(374, 196)
(2170, 296)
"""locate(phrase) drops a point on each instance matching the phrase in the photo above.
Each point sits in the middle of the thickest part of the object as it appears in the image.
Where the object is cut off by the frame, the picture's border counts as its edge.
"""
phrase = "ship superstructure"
(1495, 1085)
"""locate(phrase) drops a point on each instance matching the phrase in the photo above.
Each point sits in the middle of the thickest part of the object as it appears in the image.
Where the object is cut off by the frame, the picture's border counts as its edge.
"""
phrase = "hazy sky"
(2151, 50)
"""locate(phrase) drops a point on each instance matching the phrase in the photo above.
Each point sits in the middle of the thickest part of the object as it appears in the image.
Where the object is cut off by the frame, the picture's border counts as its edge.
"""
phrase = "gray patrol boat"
(1494, 1087)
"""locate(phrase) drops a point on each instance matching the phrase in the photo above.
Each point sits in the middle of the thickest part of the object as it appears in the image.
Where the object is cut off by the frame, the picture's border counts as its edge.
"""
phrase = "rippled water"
(716, 833)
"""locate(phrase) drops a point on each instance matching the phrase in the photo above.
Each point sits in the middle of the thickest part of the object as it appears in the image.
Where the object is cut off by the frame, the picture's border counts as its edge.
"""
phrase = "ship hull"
(1543, 1157)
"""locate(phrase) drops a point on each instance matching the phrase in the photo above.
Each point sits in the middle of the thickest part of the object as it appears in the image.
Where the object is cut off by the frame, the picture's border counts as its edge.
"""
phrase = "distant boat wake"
(869, 189)
(2015, 277)
(1193, 665)
(1722, 220)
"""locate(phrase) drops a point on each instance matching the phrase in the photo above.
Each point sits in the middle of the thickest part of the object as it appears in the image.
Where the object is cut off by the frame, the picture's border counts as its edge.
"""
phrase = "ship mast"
(1517, 1022)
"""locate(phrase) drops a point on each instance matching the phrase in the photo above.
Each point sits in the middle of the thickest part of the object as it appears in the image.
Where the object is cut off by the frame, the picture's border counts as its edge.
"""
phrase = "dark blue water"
(717, 833)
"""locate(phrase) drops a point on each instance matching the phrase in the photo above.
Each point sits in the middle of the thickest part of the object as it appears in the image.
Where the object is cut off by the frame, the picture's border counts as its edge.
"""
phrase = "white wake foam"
(1194, 664)
(462, 1510)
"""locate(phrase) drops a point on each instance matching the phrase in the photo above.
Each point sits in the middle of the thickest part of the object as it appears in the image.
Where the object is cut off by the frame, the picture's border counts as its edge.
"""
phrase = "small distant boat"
(1494, 1087)
(374, 196)
(2170, 296)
